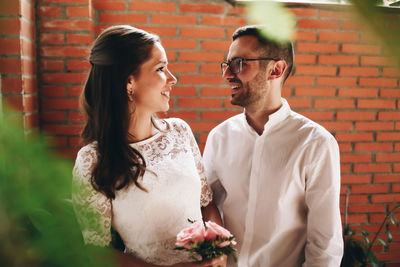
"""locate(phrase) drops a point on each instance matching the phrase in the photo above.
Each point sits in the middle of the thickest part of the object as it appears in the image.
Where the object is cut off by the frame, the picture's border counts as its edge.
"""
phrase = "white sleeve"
(324, 246)
(92, 208)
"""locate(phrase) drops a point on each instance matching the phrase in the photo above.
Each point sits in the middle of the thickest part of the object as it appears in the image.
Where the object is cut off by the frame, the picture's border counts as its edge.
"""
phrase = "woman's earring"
(130, 95)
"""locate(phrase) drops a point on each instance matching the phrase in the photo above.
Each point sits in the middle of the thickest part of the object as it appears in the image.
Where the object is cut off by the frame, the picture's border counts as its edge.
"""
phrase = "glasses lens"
(224, 66)
(236, 65)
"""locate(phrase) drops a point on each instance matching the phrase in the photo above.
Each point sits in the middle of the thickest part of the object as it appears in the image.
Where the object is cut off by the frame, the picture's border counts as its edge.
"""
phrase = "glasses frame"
(227, 64)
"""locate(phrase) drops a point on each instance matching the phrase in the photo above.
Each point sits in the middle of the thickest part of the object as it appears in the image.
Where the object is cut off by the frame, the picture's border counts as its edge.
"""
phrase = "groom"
(275, 174)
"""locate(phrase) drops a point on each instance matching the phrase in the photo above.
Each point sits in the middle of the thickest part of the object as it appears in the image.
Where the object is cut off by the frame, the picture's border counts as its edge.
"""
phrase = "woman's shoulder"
(177, 123)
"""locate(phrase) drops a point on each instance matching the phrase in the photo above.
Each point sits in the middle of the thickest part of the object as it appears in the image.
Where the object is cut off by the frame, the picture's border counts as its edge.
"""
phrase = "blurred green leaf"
(278, 23)
(384, 244)
(390, 237)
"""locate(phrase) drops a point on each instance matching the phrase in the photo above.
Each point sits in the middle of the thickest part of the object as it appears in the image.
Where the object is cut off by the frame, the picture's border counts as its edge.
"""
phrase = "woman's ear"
(130, 87)
(278, 69)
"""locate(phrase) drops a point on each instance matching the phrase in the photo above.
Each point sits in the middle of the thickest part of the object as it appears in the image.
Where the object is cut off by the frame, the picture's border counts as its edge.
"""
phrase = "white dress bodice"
(147, 221)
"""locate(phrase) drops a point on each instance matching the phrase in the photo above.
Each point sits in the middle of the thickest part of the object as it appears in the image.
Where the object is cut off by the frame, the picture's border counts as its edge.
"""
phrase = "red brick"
(372, 147)
(109, 5)
(161, 31)
(358, 92)
(215, 45)
(317, 47)
(182, 67)
(28, 49)
(390, 136)
(336, 126)
(10, 66)
(30, 84)
(324, 13)
(300, 80)
(66, 25)
(78, 65)
(11, 85)
(48, 64)
(62, 129)
(336, 81)
(357, 218)
(338, 60)
(10, 46)
(317, 24)
(355, 179)
(173, 19)
(65, 1)
(316, 70)
(78, 11)
(391, 72)
(75, 90)
(53, 90)
(64, 77)
(365, 189)
(303, 12)
(152, 6)
(28, 67)
(200, 79)
(305, 36)
(389, 115)
(379, 82)
(199, 103)
(345, 37)
(60, 103)
(201, 8)
(373, 126)
(385, 198)
(375, 61)
(376, 103)
(202, 32)
(299, 102)
(76, 116)
(317, 115)
(53, 116)
(387, 157)
(210, 68)
(334, 103)
(79, 38)
(359, 71)
(218, 115)
(9, 8)
(366, 208)
(10, 26)
(352, 157)
(30, 103)
(14, 102)
(236, 10)
(361, 49)
(305, 59)
(179, 43)
(49, 11)
(31, 121)
(122, 18)
(201, 56)
(390, 93)
(216, 91)
(184, 91)
(185, 115)
(358, 199)
(350, 26)
(223, 21)
(202, 126)
(52, 38)
(342, 137)
(64, 51)
(366, 168)
(396, 187)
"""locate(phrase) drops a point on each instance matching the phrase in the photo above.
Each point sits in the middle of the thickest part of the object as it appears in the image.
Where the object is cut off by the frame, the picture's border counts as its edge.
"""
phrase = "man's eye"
(160, 69)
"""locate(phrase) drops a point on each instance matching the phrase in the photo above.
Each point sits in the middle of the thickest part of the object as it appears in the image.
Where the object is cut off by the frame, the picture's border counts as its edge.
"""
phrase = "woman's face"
(153, 84)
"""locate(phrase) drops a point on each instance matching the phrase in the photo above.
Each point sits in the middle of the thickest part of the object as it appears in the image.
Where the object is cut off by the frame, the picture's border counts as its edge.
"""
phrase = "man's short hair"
(268, 48)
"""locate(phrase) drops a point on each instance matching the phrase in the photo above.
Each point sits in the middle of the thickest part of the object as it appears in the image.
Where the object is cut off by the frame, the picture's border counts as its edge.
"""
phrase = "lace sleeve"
(206, 193)
(92, 208)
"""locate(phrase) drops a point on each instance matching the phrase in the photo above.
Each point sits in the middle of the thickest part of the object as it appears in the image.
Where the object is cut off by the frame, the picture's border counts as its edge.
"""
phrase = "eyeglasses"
(236, 64)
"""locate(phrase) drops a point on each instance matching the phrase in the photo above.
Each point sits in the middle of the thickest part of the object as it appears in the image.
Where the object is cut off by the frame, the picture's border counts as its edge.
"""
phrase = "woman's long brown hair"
(118, 52)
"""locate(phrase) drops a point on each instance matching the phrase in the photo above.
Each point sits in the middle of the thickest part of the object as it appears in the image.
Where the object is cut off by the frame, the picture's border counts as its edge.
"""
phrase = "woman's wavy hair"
(117, 53)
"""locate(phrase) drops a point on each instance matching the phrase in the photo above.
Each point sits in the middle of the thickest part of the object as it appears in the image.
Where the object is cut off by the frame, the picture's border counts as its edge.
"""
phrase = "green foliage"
(38, 225)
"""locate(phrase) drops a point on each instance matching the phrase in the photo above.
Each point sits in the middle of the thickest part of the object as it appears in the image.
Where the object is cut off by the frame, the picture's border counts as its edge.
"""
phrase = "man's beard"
(250, 92)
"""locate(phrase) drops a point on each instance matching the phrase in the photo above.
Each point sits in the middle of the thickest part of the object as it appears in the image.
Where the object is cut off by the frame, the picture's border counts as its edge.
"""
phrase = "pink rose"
(191, 234)
(226, 243)
(214, 230)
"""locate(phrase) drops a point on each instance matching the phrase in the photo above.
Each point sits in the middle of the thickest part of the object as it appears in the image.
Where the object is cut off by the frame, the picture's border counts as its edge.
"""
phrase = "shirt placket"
(251, 204)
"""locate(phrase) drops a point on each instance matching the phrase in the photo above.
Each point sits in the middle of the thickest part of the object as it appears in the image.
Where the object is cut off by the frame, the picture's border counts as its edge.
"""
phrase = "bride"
(141, 175)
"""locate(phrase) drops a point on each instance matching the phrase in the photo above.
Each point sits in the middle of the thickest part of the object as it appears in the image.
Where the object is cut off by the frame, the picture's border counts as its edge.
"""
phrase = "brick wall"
(344, 80)
(18, 62)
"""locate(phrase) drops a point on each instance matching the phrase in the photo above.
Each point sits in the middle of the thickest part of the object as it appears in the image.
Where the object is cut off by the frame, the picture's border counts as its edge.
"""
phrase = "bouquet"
(205, 241)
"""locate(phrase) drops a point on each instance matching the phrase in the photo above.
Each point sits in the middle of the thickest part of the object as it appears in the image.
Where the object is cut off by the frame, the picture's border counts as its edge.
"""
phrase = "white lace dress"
(147, 221)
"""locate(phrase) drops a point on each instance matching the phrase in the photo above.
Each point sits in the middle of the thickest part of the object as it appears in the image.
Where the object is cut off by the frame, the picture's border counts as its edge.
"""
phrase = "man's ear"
(278, 69)
(130, 87)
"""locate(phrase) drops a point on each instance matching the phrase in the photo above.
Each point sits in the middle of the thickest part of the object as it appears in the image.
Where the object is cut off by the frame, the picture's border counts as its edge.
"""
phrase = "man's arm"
(324, 245)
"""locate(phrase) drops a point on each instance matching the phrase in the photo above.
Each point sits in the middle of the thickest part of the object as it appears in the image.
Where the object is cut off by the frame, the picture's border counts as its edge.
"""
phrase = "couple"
(274, 174)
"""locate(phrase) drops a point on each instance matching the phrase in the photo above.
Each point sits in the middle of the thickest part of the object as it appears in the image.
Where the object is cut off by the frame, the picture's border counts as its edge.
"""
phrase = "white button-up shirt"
(279, 192)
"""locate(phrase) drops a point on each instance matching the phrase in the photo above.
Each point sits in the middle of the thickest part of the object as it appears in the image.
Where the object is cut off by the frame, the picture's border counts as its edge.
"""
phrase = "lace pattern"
(147, 222)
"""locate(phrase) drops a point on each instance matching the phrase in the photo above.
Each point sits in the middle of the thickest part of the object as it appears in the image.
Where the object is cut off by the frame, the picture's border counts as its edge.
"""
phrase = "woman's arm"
(211, 213)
